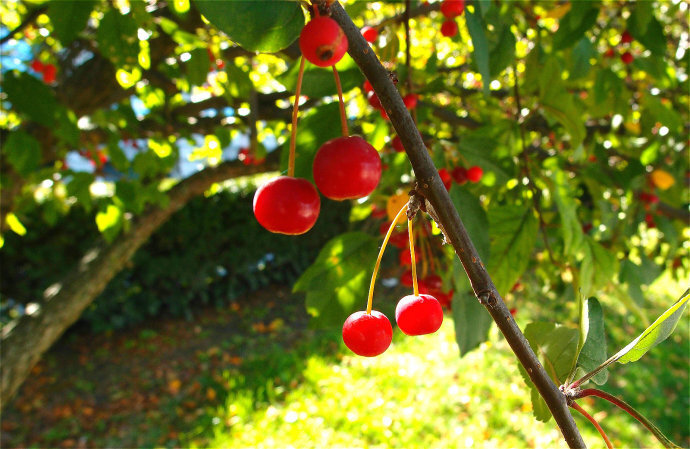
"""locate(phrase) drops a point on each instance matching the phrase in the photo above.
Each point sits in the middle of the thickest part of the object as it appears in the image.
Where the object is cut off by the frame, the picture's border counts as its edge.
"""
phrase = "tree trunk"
(26, 339)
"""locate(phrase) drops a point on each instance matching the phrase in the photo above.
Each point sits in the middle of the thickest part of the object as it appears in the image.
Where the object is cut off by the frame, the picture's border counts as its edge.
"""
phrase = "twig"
(28, 20)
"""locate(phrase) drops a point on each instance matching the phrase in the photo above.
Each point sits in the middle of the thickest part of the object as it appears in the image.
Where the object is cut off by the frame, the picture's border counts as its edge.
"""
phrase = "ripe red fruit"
(397, 144)
(649, 219)
(445, 299)
(322, 41)
(626, 38)
(37, 65)
(370, 34)
(609, 53)
(287, 205)
(406, 278)
(627, 58)
(452, 8)
(475, 173)
(410, 101)
(367, 87)
(367, 335)
(49, 73)
(449, 28)
(346, 168)
(418, 315)
(399, 239)
(459, 175)
(432, 283)
(374, 101)
(445, 177)
(405, 257)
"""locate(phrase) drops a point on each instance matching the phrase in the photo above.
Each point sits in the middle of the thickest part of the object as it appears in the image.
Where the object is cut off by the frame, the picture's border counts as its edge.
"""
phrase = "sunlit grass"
(418, 394)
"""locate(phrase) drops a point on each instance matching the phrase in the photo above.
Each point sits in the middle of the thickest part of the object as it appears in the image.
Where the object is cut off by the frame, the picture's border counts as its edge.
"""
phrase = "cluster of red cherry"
(344, 168)
(247, 157)
(450, 10)
(48, 71)
(626, 56)
(369, 333)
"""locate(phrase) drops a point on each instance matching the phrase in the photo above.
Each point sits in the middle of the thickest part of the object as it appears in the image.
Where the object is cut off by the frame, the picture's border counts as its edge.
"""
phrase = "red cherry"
(367, 335)
(346, 168)
(475, 173)
(374, 101)
(626, 38)
(399, 239)
(37, 65)
(397, 144)
(245, 156)
(405, 257)
(410, 101)
(287, 205)
(406, 278)
(366, 87)
(433, 283)
(370, 34)
(445, 177)
(377, 211)
(587, 227)
(513, 311)
(445, 299)
(459, 175)
(49, 73)
(452, 8)
(609, 53)
(220, 64)
(322, 41)
(449, 28)
(649, 219)
(627, 58)
(418, 315)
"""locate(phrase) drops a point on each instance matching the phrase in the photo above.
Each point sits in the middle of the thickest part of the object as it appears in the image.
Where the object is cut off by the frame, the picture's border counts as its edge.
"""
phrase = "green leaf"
(480, 44)
(573, 26)
(258, 25)
(197, 67)
(555, 346)
(79, 187)
(472, 322)
(474, 218)
(558, 103)
(503, 52)
(582, 54)
(598, 267)
(654, 334)
(313, 130)
(31, 97)
(640, 17)
(117, 38)
(109, 221)
(336, 283)
(652, 37)
(239, 84)
(22, 151)
(658, 112)
(593, 353)
(513, 231)
(69, 18)
(571, 228)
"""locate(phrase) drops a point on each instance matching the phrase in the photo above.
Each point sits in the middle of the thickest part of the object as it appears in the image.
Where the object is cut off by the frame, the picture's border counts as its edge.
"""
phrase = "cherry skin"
(286, 205)
(459, 175)
(346, 168)
(374, 101)
(449, 28)
(627, 58)
(367, 335)
(418, 315)
(410, 101)
(366, 87)
(433, 283)
(37, 66)
(626, 37)
(445, 177)
(370, 34)
(49, 73)
(322, 41)
(406, 278)
(475, 173)
(397, 144)
(452, 8)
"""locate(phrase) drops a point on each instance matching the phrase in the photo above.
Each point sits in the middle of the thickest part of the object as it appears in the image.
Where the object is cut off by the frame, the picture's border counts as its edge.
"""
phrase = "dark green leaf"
(582, 54)
(513, 231)
(22, 151)
(472, 322)
(571, 228)
(79, 187)
(69, 18)
(503, 53)
(653, 37)
(31, 97)
(474, 218)
(476, 27)
(259, 25)
(239, 83)
(640, 17)
(575, 24)
(197, 67)
(117, 38)
(593, 352)
(598, 268)
(558, 103)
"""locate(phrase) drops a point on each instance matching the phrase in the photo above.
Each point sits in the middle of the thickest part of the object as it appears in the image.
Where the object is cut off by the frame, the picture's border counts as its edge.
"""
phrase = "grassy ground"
(254, 376)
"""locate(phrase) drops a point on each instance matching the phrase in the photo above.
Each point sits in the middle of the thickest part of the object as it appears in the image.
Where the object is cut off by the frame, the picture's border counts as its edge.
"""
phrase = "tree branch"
(28, 20)
(431, 186)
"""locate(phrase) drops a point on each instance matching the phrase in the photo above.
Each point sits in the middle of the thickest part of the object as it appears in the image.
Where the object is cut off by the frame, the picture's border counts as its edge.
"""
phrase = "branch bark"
(432, 188)
(25, 340)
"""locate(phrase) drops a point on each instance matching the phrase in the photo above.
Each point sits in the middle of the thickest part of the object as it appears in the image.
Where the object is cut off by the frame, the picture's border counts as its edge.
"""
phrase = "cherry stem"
(378, 259)
(295, 110)
(410, 232)
(629, 410)
(343, 117)
(594, 422)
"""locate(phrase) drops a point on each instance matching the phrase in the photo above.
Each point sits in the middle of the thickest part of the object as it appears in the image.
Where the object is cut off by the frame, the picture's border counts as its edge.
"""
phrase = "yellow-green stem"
(378, 259)
(410, 232)
(343, 117)
(295, 110)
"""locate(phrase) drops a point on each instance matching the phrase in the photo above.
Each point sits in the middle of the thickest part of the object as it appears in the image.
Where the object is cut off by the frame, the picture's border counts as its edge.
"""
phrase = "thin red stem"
(410, 233)
(594, 422)
(295, 110)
